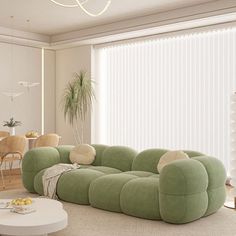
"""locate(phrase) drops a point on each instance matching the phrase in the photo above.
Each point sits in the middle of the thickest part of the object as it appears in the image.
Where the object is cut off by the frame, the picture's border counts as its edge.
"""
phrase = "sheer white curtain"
(169, 93)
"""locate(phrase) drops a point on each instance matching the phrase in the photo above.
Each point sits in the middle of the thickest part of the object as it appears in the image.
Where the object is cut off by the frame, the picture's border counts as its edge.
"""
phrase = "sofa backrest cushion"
(193, 153)
(147, 160)
(64, 151)
(118, 157)
(100, 148)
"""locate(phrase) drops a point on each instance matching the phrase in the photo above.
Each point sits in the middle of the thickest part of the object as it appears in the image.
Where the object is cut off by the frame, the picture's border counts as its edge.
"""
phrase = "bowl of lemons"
(31, 134)
(22, 205)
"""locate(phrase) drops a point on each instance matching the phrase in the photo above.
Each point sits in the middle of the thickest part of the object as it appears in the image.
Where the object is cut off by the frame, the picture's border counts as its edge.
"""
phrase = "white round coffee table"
(49, 217)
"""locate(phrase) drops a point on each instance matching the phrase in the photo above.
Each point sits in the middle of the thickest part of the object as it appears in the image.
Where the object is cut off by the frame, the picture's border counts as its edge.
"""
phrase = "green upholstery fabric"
(104, 192)
(192, 153)
(105, 169)
(216, 182)
(64, 152)
(118, 157)
(74, 186)
(183, 191)
(139, 173)
(140, 197)
(36, 160)
(120, 180)
(182, 209)
(38, 182)
(99, 153)
(147, 160)
(156, 176)
(183, 177)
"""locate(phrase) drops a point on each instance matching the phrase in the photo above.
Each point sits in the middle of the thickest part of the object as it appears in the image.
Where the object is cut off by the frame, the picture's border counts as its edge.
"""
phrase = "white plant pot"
(12, 130)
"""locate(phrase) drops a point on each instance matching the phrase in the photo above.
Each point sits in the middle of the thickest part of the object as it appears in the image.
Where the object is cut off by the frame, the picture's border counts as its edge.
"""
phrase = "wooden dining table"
(30, 141)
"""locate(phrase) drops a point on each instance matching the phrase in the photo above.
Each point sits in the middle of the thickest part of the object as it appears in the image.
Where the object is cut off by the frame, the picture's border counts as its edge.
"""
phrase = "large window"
(169, 93)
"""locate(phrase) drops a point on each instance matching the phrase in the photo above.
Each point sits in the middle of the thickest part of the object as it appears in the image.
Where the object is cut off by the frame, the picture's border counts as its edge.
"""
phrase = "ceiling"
(50, 19)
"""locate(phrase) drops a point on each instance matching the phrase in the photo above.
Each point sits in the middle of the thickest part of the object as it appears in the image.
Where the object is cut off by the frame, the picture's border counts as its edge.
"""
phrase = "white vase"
(12, 130)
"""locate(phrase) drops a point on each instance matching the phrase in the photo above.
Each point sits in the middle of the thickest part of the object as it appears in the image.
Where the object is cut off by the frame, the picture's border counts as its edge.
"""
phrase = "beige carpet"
(88, 221)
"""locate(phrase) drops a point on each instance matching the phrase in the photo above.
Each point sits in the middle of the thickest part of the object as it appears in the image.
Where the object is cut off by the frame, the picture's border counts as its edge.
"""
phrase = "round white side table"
(49, 217)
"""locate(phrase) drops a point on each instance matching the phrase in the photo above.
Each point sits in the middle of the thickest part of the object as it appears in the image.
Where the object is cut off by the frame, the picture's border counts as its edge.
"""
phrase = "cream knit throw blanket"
(51, 176)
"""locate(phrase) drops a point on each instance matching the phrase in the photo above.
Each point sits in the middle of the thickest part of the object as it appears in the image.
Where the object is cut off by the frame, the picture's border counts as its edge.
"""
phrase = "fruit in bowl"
(31, 134)
(22, 204)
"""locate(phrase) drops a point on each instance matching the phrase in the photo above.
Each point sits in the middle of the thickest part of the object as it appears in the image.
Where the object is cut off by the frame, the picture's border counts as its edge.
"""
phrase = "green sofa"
(122, 180)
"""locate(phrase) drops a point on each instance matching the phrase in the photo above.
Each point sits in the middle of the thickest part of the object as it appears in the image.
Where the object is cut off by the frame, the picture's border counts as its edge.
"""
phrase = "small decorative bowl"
(22, 205)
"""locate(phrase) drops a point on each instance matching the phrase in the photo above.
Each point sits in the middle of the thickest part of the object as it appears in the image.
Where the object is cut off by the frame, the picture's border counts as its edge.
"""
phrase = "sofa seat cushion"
(140, 197)
(104, 192)
(74, 186)
(140, 173)
(156, 176)
(105, 169)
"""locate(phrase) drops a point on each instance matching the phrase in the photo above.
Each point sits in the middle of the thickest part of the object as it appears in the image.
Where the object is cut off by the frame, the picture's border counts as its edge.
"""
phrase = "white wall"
(69, 61)
(49, 91)
(59, 67)
(20, 63)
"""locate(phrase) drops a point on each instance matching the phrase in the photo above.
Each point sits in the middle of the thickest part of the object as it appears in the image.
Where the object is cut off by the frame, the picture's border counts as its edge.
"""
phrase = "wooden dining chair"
(11, 149)
(47, 140)
(4, 134)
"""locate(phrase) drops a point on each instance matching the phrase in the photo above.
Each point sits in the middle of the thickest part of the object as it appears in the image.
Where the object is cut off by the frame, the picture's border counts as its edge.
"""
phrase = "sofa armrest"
(216, 189)
(36, 160)
(184, 189)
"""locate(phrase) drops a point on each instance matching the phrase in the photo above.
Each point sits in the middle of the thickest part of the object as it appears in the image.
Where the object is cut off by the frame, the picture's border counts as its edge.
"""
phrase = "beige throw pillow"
(169, 157)
(83, 154)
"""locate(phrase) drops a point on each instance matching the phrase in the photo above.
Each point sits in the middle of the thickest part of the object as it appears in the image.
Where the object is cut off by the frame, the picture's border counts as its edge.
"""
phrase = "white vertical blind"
(169, 93)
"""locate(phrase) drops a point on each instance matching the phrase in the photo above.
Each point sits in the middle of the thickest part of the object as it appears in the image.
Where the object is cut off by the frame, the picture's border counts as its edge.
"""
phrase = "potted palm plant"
(11, 124)
(77, 101)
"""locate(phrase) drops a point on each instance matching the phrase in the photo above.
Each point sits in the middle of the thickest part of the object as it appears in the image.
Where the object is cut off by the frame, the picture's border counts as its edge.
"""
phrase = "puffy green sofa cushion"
(118, 157)
(216, 182)
(104, 192)
(182, 209)
(193, 153)
(139, 173)
(147, 160)
(183, 191)
(36, 160)
(105, 169)
(64, 152)
(74, 186)
(38, 182)
(99, 153)
(140, 197)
